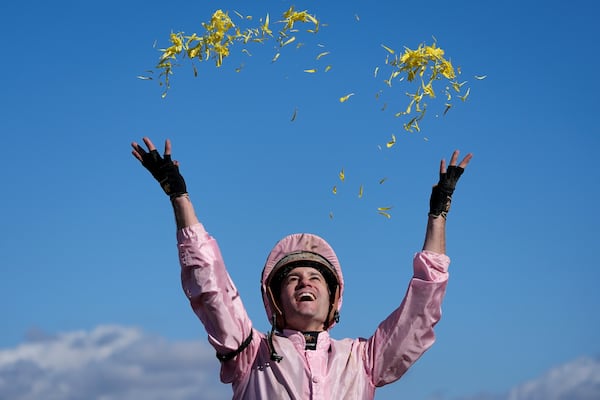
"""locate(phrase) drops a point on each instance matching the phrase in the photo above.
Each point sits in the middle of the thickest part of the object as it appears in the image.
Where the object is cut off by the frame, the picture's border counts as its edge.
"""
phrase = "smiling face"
(304, 298)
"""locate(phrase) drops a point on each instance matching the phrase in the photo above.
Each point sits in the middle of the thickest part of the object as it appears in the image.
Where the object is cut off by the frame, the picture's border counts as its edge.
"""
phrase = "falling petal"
(290, 40)
(448, 106)
(375, 72)
(345, 98)
(275, 57)
(322, 54)
(391, 142)
(327, 68)
(480, 77)
(388, 49)
(342, 175)
(464, 98)
(385, 214)
(310, 71)
(334, 190)
(360, 192)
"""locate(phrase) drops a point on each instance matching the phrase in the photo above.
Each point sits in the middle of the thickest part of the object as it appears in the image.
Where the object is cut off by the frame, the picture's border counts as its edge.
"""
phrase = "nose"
(304, 281)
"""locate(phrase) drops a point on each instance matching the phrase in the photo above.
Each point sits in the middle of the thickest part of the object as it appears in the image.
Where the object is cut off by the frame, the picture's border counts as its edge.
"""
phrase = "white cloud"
(575, 380)
(110, 363)
(121, 363)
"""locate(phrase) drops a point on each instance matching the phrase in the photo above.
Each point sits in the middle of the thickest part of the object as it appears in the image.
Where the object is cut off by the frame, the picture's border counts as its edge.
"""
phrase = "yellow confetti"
(276, 57)
(290, 40)
(218, 36)
(391, 142)
(388, 49)
(323, 54)
(310, 71)
(464, 98)
(360, 192)
(448, 106)
(384, 211)
(345, 98)
(342, 175)
(327, 68)
(334, 190)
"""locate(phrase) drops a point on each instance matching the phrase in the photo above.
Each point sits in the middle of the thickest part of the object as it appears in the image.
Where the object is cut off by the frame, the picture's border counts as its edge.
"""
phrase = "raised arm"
(166, 172)
(439, 203)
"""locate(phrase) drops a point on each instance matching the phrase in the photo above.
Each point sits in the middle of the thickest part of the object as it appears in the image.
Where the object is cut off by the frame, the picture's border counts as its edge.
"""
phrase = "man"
(302, 287)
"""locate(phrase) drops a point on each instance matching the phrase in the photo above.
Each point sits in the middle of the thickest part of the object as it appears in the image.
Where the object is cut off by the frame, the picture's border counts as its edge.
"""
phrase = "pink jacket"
(337, 369)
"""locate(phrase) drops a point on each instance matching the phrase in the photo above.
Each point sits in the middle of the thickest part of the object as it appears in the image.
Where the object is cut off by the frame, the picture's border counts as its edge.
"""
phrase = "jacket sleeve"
(407, 333)
(214, 297)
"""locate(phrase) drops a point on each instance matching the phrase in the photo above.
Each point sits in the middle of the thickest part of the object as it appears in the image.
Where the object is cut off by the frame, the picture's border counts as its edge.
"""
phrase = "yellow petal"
(322, 54)
(385, 214)
(334, 190)
(290, 40)
(345, 98)
(388, 49)
(360, 191)
(464, 98)
(342, 175)
(310, 71)
(275, 57)
(327, 68)
(391, 142)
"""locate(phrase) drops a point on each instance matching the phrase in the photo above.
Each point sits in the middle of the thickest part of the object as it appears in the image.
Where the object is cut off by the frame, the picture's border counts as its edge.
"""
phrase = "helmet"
(301, 249)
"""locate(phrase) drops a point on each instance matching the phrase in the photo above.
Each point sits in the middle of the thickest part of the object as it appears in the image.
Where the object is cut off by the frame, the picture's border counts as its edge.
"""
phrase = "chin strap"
(274, 356)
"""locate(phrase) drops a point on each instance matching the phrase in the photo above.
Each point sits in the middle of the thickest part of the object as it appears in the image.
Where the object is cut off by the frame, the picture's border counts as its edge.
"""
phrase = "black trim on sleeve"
(232, 354)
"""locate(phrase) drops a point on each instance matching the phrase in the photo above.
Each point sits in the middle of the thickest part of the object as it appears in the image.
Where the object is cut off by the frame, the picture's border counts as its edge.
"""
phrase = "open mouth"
(306, 297)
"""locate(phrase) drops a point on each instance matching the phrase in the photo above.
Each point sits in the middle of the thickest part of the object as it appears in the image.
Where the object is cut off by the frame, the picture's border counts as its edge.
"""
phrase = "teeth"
(306, 295)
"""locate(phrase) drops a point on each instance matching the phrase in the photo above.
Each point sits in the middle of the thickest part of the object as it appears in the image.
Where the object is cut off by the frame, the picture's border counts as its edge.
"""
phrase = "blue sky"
(87, 238)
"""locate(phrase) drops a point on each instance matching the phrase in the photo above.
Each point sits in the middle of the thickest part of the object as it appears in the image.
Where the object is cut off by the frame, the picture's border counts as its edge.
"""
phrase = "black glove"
(441, 194)
(165, 172)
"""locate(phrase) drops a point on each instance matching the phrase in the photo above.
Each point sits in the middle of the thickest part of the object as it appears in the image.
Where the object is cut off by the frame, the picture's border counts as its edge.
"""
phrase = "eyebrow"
(311, 274)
